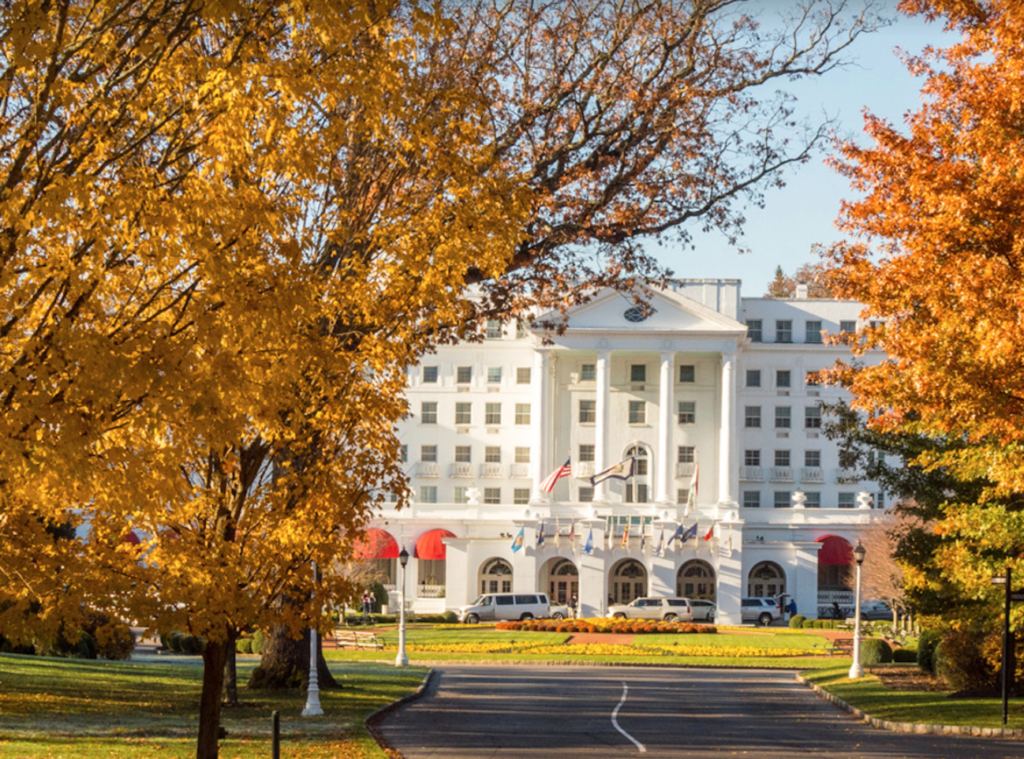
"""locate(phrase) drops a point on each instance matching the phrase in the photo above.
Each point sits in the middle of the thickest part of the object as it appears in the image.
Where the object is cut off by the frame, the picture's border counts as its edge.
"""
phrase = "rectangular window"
(522, 413)
(640, 467)
(464, 375)
(492, 496)
(586, 494)
(430, 375)
(428, 453)
(492, 413)
(781, 499)
(753, 378)
(586, 453)
(783, 417)
(751, 416)
(588, 412)
(812, 459)
(492, 454)
(783, 330)
(522, 454)
(752, 499)
(687, 373)
(687, 412)
(638, 373)
(687, 454)
(461, 494)
(403, 454)
(637, 412)
(812, 331)
(493, 375)
(428, 493)
(428, 412)
(520, 330)
(682, 495)
(847, 458)
(523, 375)
(637, 494)
(812, 417)
(811, 378)
(463, 454)
(755, 330)
(751, 457)
(463, 413)
(849, 327)
(847, 500)
(813, 500)
(782, 378)
(782, 458)
(521, 496)
(588, 372)
(493, 329)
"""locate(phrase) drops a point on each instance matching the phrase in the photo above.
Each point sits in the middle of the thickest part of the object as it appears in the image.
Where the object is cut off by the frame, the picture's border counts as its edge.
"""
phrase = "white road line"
(615, 720)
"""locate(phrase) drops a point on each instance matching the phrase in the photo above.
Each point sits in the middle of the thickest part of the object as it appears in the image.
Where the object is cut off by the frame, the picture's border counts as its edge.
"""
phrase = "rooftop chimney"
(801, 291)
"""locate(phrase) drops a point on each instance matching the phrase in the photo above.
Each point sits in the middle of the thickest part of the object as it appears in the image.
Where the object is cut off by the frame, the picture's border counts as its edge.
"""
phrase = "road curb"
(372, 722)
(913, 727)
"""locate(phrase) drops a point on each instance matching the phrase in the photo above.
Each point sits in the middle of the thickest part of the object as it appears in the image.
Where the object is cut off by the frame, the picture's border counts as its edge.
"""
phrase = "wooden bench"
(842, 646)
(356, 639)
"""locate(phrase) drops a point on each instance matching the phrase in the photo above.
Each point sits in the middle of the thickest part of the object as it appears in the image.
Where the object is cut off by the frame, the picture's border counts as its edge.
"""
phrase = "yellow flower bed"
(601, 649)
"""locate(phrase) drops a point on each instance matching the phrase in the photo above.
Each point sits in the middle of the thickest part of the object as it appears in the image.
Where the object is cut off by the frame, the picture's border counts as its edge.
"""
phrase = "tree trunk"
(214, 657)
(230, 674)
(285, 663)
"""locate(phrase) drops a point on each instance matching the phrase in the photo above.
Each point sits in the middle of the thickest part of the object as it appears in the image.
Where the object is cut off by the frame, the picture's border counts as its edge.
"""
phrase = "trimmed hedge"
(243, 645)
(926, 646)
(796, 621)
(905, 655)
(875, 651)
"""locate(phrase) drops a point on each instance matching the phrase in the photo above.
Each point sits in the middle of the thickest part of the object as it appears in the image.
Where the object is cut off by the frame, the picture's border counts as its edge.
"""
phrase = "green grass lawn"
(930, 708)
(57, 708)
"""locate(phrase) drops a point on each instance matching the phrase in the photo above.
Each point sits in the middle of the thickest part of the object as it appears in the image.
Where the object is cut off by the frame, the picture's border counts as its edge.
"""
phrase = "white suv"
(764, 611)
(668, 609)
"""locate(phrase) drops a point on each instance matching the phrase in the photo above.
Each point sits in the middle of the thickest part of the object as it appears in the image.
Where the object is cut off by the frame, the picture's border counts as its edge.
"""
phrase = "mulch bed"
(908, 679)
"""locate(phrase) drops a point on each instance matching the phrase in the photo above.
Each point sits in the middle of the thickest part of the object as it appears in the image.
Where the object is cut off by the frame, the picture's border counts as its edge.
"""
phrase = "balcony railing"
(430, 591)
(521, 471)
(462, 469)
(782, 474)
(492, 470)
(812, 474)
(751, 474)
(428, 469)
(685, 470)
(847, 476)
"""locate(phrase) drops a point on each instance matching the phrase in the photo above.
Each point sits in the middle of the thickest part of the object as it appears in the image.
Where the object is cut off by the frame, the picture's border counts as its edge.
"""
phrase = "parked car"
(560, 611)
(504, 606)
(763, 611)
(668, 609)
(875, 610)
(703, 611)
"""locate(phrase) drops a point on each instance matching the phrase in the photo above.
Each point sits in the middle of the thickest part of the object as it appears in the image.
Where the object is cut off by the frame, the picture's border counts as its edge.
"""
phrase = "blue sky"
(803, 212)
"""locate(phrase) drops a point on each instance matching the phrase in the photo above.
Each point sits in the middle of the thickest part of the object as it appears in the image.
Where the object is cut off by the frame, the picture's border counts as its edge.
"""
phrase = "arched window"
(696, 579)
(637, 490)
(563, 581)
(765, 580)
(628, 581)
(496, 576)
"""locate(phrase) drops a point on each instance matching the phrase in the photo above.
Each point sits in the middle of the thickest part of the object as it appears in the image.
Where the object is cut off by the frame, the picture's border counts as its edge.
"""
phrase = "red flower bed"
(621, 626)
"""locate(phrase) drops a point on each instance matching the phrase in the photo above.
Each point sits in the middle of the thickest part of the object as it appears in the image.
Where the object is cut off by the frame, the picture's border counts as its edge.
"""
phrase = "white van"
(491, 607)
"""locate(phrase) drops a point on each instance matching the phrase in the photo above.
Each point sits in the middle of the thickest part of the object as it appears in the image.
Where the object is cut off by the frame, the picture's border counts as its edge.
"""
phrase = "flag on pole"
(625, 536)
(540, 535)
(589, 547)
(677, 534)
(558, 532)
(690, 533)
(711, 532)
(518, 542)
(572, 532)
(691, 498)
(621, 471)
(659, 549)
(643, 539)
(563, 471)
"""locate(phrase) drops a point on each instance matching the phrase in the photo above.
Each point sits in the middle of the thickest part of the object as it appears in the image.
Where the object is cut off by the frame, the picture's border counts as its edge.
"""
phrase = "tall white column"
(539, 421)
(728, 471)
(603, 381)
(665, 428)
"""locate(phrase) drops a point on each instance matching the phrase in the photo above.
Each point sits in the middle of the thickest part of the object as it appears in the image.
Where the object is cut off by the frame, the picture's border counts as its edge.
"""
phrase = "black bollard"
(275, 749)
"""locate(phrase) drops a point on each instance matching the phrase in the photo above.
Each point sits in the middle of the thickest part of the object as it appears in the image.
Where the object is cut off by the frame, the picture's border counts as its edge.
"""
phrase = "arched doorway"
(377, 550)
(696, 579)
(628, 581)
(495, 576)
(562, 582)
(637, 490)
(835, 573)
(766, 580)
(431, 554)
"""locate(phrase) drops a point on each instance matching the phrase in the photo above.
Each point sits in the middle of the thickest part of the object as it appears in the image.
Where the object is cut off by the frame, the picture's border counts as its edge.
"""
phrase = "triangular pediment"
(668, 312)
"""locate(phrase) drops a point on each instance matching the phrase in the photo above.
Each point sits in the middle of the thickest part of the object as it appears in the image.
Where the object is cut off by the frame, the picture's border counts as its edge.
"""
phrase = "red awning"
(429, 546)
(131, 538)
(376, 544)
(835, 551)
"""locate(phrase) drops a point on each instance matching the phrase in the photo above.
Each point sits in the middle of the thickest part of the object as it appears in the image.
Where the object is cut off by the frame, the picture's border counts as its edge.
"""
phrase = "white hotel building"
(707, 379)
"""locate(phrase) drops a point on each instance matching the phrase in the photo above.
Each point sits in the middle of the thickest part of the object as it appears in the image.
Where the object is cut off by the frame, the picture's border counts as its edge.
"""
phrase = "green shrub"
(243, 645)
(796, 621)
(808, 624)
(875, 651)
(192, 644)
(176, 638)
(258, 641)
(450, 617)
(904, 655)
(926, 645)
(960, 661)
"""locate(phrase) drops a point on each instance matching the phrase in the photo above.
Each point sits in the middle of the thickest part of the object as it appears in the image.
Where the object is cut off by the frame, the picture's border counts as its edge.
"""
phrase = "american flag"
(563, 471)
